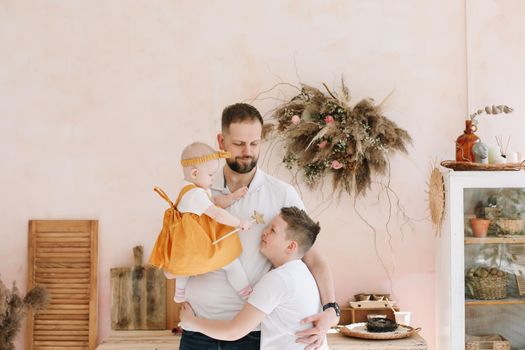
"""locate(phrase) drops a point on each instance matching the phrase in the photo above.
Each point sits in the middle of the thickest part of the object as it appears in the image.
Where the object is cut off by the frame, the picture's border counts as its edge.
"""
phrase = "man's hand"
(315, 336)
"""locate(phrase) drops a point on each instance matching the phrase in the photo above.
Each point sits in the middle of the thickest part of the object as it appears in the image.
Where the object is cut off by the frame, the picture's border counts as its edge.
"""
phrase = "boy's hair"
(301, 228)
(238, 113)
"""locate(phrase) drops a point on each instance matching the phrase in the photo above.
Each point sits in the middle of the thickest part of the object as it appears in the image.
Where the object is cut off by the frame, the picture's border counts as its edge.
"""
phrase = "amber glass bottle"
(465, 142)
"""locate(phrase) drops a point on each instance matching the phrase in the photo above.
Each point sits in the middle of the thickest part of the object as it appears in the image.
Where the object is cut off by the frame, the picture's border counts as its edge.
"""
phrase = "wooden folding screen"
(63, 256)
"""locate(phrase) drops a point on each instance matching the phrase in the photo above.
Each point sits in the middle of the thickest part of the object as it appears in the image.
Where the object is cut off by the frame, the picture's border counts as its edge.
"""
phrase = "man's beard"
(242, 168)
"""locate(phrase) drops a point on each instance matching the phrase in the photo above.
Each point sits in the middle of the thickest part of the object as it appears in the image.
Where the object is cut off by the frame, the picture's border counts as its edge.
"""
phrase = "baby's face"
(205, 173)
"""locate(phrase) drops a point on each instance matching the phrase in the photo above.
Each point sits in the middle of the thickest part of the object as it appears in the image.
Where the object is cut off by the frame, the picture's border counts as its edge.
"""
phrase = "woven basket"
(490, 287)
(488, 342)
(510, 226)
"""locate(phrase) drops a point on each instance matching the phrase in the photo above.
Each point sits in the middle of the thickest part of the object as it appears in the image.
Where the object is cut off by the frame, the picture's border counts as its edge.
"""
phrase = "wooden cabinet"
(479, 280)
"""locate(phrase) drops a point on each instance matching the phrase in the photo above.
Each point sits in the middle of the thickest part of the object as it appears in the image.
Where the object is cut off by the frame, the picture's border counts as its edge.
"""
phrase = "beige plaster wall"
(98, 98)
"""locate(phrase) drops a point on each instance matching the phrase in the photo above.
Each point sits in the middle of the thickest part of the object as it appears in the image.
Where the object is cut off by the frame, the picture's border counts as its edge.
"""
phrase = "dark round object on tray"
(380, 324)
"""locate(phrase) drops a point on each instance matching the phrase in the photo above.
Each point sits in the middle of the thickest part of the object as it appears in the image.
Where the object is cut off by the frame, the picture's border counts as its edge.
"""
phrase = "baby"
(185, 246)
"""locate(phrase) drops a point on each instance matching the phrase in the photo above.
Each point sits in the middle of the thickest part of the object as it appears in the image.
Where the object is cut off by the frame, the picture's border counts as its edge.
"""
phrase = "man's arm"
(243, 323)
(326, 319)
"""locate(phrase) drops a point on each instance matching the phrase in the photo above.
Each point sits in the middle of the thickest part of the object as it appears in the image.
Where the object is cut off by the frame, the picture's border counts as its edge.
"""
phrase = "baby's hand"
(236, 195)
(245, 225)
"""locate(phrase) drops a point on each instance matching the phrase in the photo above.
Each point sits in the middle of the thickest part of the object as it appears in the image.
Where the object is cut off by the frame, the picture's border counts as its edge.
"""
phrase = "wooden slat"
(64, 226)
(63, 257)
(68, 307)
(62, 343)
(63, 317)
(63, 240)
(62, 249)
(60, 348)
(64, 244)
(54, 281)
(60, 322)
(58, 271)
(71, 265)
(53, 327)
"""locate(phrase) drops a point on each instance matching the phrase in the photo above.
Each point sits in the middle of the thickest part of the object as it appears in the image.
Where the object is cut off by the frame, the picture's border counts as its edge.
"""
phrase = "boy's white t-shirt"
(286, 295)
(197, 200)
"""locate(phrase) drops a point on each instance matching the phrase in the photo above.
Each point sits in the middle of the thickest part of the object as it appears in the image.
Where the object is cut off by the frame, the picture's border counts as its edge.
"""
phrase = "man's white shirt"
(210, 294)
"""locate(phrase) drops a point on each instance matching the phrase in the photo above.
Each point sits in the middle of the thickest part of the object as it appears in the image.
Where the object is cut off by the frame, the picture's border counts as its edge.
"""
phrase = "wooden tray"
(358, 330)
(468, 166)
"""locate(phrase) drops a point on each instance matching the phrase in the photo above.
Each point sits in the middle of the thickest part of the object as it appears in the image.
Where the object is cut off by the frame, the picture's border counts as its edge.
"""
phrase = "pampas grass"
(324, 136)
(13, 309)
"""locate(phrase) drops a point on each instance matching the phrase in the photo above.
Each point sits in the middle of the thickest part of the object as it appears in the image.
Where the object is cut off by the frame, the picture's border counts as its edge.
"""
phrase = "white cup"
(402, 317)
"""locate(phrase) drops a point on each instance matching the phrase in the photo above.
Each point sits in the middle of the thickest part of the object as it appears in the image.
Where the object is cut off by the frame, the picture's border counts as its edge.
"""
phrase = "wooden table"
(164, 340)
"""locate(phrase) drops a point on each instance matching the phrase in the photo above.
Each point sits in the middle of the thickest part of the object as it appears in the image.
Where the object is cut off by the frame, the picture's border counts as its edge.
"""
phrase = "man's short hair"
(239, 113)
(301, 228)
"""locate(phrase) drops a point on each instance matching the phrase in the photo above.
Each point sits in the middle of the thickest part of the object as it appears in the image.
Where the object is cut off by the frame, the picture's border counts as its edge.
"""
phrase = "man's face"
(243, 141)
(274, 244)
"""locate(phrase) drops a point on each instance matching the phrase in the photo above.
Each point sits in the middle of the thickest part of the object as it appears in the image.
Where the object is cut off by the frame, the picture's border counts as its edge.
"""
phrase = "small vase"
(479, 227)
(465, 142)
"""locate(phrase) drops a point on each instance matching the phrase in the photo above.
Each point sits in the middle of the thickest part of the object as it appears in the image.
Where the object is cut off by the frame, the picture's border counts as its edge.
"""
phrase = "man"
(210, 294)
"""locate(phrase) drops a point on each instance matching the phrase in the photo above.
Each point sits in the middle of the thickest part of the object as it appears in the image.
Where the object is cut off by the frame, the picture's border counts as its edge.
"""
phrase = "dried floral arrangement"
(13, 309)
(325, 136)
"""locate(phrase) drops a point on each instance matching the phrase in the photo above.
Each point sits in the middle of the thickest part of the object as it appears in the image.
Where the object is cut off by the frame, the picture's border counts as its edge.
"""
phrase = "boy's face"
(202, 174)
(274, 244)
(243, 142)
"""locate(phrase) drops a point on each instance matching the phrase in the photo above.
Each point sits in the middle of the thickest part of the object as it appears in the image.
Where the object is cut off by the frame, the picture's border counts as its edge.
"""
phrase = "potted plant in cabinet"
(480, 224)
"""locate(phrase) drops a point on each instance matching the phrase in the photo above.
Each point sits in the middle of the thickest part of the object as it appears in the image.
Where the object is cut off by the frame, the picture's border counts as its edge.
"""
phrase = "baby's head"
(289, 236)
(200, 162)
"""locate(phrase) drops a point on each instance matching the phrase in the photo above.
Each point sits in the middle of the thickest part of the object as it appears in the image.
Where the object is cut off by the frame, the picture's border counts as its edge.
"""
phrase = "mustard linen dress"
(184, 245)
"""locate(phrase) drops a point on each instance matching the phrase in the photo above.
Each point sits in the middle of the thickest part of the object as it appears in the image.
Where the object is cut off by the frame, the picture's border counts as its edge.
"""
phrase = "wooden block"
(138, 298)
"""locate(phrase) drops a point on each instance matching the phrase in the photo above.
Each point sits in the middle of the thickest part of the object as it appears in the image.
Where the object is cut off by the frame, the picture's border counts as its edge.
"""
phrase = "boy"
(283, 297)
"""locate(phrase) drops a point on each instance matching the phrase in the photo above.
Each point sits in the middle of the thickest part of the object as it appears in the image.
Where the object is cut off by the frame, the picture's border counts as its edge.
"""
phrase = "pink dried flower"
(336, 165)
(329, 119)
(296, 120)
(322, 144)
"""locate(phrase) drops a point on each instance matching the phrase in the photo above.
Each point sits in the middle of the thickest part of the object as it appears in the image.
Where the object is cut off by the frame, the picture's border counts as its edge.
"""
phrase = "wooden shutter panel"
(63, 256)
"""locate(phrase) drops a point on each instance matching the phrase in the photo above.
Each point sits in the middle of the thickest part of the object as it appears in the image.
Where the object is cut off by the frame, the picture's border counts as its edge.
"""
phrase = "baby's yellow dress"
(184, 245)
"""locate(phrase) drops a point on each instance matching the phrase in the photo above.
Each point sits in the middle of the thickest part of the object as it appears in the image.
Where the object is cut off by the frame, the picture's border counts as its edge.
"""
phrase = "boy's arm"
(243, 323)
(326, 319)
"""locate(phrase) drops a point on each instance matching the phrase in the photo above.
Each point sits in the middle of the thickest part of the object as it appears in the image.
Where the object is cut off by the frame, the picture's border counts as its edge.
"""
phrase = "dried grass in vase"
(325, 136)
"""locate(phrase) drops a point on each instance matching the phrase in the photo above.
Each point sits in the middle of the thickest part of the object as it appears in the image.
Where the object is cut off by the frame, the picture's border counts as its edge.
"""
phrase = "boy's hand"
(245, 225)
(315, 336)
(238, 194)
(187, 314)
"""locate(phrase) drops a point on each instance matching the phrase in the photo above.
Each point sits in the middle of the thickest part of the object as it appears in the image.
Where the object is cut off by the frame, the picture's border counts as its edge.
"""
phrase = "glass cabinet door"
(494, 259)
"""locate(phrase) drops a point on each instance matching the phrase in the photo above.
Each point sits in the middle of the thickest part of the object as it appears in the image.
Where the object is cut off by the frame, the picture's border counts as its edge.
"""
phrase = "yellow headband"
(204, 159)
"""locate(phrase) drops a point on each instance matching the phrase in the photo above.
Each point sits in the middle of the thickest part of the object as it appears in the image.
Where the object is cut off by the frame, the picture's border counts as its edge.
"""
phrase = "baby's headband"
(204, 159)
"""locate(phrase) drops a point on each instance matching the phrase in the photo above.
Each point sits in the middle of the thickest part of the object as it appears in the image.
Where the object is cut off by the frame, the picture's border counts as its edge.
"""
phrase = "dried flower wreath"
(323, 135)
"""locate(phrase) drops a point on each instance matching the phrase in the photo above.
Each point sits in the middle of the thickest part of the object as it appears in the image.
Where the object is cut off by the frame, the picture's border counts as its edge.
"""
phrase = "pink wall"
(98, 99)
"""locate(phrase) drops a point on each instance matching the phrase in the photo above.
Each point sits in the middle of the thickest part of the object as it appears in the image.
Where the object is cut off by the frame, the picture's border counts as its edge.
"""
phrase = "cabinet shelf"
(495, 240)
(506, 301)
